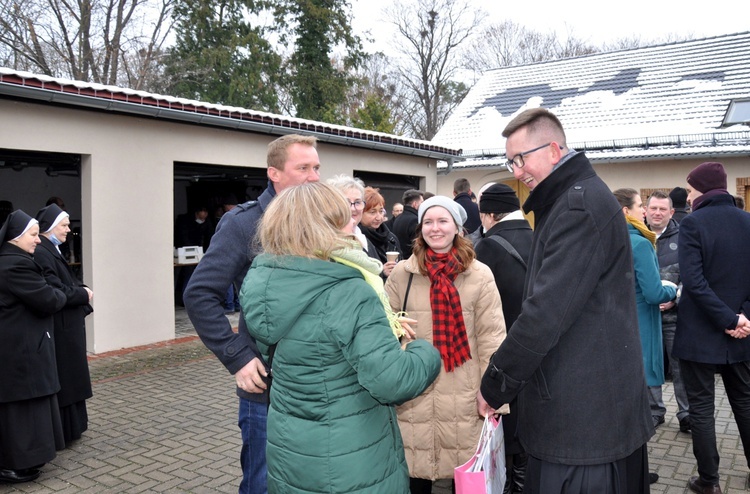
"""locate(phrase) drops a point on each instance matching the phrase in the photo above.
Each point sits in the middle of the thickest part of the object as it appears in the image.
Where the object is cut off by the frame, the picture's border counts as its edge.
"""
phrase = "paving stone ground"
(163, 420)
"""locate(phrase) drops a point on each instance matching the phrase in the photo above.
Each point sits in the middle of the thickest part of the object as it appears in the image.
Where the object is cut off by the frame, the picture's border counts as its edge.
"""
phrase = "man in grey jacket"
(573, 356)
(292, 160)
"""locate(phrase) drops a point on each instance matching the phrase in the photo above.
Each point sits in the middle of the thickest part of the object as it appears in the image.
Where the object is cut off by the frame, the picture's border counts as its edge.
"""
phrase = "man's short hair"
(659, 194)
(461, 185)
(536, 120)
(276, 156)
(410, 196)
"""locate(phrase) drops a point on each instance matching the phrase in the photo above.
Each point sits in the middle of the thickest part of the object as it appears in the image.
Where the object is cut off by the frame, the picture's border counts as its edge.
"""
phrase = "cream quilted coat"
(440, 428)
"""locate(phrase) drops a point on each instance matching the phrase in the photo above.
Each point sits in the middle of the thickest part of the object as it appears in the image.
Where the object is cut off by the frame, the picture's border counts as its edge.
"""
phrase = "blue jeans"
(252, 423)
(232, 300)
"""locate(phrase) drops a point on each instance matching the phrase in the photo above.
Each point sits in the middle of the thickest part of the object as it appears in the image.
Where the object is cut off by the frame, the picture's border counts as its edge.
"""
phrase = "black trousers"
(699, 382)
(424, 486)
(626, 476)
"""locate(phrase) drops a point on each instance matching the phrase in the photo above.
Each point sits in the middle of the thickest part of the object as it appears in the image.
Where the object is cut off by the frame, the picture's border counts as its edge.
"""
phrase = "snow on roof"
(667, 90)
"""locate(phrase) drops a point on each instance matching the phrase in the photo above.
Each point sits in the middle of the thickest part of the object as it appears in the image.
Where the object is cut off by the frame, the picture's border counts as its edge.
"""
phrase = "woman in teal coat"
(650, 291)
(316, 299)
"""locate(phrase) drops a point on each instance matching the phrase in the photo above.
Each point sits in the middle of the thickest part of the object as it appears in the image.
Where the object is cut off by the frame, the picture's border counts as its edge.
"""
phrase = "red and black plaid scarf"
(448, 328)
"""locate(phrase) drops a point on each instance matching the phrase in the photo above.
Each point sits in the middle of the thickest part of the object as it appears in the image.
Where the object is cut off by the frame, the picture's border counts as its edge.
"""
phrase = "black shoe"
(695, 484)
(653, 477)
(657, 420)
(18, 476)
(685, 424)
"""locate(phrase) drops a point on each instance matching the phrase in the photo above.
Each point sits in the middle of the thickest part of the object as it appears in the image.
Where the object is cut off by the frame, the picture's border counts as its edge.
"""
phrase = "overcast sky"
(648, 19)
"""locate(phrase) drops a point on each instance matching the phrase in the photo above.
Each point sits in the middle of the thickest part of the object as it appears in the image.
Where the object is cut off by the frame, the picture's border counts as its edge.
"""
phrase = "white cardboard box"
(190, 254)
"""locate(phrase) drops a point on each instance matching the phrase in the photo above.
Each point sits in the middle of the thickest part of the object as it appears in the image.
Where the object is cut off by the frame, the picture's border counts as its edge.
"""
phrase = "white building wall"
(127, 200)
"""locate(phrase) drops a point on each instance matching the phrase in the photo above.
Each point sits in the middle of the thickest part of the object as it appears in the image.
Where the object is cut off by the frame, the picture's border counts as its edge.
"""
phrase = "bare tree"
(636, 41)
(371, 101)
(431, 33)
(508, 43)
(103, 41)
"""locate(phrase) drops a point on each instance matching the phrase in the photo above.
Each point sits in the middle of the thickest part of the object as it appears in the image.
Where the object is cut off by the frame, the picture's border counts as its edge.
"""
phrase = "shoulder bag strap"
(406, 295)
(511, 250)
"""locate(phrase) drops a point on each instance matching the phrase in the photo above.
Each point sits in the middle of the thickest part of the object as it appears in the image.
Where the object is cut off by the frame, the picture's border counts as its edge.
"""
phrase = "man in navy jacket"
(292, 160)
(712, 323)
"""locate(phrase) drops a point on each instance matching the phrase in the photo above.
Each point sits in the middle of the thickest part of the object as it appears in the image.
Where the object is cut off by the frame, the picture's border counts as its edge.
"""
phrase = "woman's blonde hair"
(306, 221)
(464, 250)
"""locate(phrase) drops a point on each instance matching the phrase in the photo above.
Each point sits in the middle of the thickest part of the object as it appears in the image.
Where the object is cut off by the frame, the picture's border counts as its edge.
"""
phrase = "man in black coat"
(462, 195)
(678, 196)
(405, 224)
(573, 357)
(505, 249)
(712, 324)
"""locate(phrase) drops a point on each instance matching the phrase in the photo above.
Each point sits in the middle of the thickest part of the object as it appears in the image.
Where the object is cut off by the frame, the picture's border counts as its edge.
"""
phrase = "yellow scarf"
(641, 227)
(370, 268)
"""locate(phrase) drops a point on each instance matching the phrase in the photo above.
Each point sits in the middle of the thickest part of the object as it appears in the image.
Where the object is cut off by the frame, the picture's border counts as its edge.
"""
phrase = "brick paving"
(163, 420)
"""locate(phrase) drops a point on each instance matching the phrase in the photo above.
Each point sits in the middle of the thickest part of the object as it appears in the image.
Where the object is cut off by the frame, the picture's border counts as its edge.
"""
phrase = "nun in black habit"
(70, 328)
(30, 427)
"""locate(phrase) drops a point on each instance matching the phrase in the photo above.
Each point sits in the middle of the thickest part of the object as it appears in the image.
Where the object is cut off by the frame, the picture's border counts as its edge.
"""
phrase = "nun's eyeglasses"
(517, 160)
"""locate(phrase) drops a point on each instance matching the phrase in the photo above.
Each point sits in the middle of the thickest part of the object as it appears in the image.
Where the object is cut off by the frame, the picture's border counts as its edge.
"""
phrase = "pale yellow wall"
(127, 201)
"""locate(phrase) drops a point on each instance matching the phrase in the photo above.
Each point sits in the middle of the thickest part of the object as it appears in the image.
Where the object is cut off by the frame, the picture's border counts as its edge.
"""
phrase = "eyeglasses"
(358, 205)
(517, 160)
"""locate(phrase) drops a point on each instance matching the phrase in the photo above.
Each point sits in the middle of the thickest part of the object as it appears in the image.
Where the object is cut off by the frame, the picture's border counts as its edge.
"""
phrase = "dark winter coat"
(714, 257)
(227, 260)
(509, 274)
(27, 348)
(472, 212)
(573, 356)
(382, 239)
(669, 266)
(70, 328)
(680, 214)
(405, 229)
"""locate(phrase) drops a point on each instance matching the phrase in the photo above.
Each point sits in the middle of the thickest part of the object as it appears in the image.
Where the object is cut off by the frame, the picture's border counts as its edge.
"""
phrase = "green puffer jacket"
(337, 371)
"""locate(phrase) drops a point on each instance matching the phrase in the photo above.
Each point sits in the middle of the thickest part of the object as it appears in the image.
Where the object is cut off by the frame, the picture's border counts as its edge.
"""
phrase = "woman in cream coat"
(457, 305)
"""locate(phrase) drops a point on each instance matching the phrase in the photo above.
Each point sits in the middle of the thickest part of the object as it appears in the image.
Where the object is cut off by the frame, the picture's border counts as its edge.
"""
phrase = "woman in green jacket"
(313, 297)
